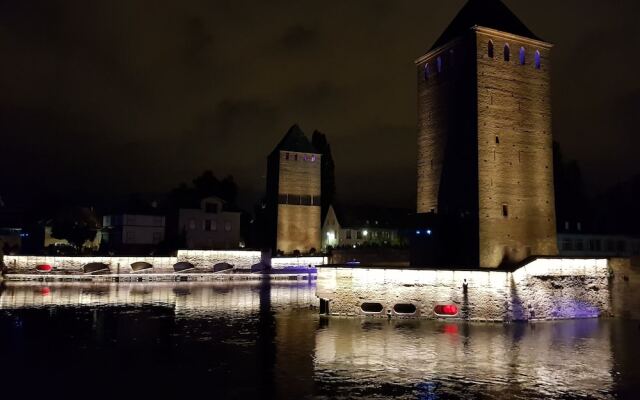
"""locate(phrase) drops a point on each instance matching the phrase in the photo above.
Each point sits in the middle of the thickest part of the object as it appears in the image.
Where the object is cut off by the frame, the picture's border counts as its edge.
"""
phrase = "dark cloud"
(104, 96)
(299, 37)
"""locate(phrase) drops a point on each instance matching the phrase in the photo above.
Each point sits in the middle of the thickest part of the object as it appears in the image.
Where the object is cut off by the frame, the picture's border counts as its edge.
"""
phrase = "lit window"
(439, 63)
(537, 59)
(446, 310)
(313, 158)
(427, 71)
(507, 52)
(522, 56)
(490, 49)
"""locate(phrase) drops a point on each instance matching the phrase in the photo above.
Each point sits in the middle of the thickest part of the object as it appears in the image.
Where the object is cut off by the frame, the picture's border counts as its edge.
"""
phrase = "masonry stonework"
(293, 194)
(485, 146)
(543, 289)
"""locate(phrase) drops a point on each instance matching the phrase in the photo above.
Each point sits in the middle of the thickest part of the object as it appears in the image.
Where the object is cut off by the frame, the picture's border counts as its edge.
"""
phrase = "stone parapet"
(545, 288)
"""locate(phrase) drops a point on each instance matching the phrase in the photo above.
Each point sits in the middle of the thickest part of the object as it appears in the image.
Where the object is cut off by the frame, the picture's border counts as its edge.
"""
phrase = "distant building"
(597, 245)
(485, 167)
(293, 194)
(211, 226)
(129, 233)
(575, 241)
(364, 226)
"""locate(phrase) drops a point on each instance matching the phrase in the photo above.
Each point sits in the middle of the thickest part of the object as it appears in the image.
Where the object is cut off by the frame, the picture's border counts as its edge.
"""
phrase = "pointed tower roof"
(487, 13)
(295, 140)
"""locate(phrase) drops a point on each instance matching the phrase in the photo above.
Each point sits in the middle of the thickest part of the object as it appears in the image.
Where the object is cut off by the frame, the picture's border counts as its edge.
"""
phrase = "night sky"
(111, 97)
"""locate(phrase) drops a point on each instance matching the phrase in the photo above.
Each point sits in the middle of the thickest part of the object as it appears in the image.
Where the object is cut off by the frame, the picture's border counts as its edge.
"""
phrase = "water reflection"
(187, 298)
(543, 360)
(262, 340)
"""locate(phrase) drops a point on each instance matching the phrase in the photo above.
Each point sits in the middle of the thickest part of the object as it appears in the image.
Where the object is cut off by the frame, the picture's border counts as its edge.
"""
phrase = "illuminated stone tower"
(293, 194)
(485, 172)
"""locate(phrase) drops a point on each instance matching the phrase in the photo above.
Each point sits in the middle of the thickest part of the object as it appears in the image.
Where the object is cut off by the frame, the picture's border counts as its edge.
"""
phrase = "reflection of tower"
(293, 194)
(485, 168)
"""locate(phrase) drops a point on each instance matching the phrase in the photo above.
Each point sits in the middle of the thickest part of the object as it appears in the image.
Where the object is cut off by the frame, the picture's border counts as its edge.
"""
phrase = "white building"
(210, 227)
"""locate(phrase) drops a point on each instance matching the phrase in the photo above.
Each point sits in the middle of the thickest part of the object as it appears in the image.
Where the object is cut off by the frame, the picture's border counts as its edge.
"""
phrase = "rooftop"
(486, 13)
(295, 140)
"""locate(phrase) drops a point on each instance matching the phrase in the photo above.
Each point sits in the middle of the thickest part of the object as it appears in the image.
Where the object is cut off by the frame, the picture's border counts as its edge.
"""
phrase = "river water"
(264, 340)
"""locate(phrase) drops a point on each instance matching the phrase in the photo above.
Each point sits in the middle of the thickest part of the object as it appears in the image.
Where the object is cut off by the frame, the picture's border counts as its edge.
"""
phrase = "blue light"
(417, 232)
(429, 232)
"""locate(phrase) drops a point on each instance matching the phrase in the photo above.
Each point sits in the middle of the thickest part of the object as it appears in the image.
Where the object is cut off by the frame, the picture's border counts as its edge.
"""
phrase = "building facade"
(210, 227)
(293, 195)
(132, 233)
(485, 170)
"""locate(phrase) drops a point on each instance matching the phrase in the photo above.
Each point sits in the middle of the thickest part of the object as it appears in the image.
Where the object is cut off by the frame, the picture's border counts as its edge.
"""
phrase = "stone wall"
(203, 261)
(279, 263)
(625, 287)
(298, 228)
(515, 158)
(543, 289)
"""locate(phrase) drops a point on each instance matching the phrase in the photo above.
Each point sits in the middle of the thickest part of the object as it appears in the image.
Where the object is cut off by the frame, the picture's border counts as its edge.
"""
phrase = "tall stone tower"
(485, 172)
(293, 194)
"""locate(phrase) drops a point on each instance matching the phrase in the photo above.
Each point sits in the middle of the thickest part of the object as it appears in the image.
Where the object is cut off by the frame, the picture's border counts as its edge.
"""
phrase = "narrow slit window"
(507, 52)
(427, 71)
(505, 210)
(537, 59)
(439, 64)
(490, 49)
(497, 139)
(523, 56)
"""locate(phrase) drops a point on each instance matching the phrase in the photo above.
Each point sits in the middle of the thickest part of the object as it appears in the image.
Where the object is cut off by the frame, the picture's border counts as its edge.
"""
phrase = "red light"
(451, 329)
(44, 268)
(446, 309)
(45, 291)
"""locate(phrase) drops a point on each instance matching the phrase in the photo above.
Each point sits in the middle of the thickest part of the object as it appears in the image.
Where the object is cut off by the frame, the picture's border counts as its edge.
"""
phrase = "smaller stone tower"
(293, 194)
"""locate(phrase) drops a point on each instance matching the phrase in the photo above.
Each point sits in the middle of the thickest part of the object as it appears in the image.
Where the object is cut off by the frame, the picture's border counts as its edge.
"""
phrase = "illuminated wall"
(297, 262)
(202, 260)
(543, 289)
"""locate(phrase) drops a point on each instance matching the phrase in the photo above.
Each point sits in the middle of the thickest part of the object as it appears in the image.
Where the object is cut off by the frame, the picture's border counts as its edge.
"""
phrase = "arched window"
(439, 63)
(537, 59)
(522, 56)
(427, 71)
(490, 49)
(507, 52)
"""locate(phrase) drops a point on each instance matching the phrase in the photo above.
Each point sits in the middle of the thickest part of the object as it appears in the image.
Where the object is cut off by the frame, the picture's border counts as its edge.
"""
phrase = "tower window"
(427, 71)
(497, 139)
(439, 63)
(522, 56)
(295, 157)
(505, 210)
(537, 59)
(490, 49)
(507, 52)
(286, 156)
